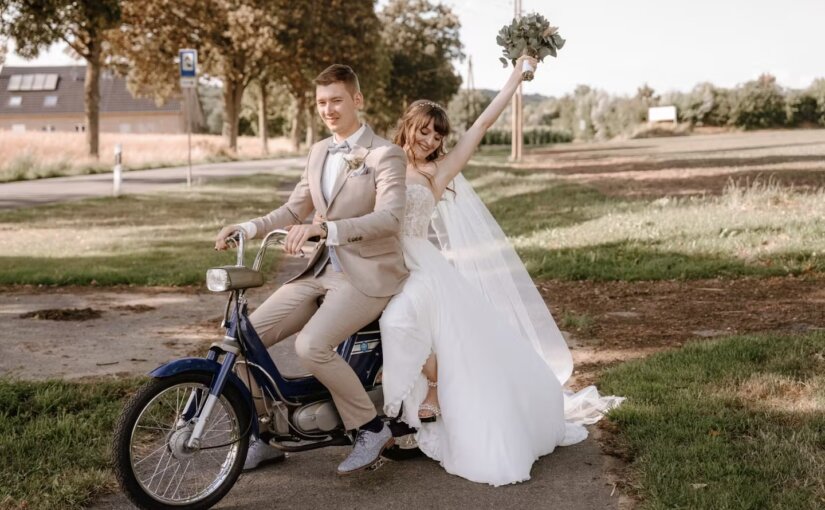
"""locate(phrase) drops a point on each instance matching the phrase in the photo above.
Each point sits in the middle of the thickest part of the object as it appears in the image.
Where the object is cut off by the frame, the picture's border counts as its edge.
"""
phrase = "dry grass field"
(36, 155)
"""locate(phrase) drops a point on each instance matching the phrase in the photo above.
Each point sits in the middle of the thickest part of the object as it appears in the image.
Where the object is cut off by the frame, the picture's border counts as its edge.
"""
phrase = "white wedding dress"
(502, 406)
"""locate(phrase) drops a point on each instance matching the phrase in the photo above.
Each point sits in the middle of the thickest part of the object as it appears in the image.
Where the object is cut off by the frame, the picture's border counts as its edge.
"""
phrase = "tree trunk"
(312, 126)
(232, 94)
(297, 124)
(262, 116)
(92, 100)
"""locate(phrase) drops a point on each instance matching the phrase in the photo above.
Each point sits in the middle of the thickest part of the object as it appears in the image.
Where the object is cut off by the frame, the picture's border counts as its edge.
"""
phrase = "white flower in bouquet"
(529, 35)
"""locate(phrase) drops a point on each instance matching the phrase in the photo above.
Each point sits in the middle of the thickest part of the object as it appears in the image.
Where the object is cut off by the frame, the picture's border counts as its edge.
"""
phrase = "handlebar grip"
(314, 239)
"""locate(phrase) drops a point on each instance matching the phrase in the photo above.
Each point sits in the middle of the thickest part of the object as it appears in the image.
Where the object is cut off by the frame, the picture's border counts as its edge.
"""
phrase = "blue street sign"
(188, 62)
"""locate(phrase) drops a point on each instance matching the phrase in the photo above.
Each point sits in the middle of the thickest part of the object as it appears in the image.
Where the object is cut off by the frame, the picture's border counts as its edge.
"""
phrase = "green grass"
(158, 239)
(737, 423)
(581, 323)
(55, 441)
(570, 230)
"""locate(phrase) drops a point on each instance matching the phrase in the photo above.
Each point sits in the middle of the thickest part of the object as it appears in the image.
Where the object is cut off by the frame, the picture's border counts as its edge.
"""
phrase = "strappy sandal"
(433, 409)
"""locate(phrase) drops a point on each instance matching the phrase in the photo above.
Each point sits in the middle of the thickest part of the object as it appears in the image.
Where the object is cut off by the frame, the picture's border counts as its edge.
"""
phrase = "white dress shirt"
(334, 166)
(334, 169)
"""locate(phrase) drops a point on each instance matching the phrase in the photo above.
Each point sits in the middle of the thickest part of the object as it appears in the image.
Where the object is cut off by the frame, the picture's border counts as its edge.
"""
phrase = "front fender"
(212, 367)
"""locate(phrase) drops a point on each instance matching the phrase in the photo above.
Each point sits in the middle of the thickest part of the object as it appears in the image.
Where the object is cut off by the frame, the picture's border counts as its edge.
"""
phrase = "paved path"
(62, 189)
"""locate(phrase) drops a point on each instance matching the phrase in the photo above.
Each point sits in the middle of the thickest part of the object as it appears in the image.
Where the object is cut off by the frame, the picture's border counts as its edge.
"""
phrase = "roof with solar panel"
(59, 89)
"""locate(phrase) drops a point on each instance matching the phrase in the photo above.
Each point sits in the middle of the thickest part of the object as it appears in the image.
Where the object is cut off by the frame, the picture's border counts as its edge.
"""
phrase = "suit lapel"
(365, 140)
(315, 172)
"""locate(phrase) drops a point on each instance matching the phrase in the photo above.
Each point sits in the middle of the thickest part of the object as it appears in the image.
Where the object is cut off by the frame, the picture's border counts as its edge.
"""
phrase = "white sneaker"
(261, 453)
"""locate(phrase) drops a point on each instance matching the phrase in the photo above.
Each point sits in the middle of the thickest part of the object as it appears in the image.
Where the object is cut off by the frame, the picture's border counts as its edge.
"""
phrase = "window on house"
(50, 101)
(27, 82)
(15, 101)
(14, 82)
(39, 80)
(80, 128)
(51, 82)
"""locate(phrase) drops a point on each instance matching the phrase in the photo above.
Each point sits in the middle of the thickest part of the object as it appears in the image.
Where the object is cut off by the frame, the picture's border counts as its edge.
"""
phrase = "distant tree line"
(592, 114)
(263, 53)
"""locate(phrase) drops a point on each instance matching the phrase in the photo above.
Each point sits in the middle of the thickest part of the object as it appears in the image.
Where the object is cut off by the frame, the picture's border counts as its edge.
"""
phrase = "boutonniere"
(356, 157)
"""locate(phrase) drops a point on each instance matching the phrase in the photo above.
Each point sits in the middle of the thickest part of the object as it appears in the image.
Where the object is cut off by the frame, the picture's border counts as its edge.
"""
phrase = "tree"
(422, 39)
(817, 91)
(465, 107)
(318, 33)
(760, 104)
(84, 25)
(234, 39)
(802, 109)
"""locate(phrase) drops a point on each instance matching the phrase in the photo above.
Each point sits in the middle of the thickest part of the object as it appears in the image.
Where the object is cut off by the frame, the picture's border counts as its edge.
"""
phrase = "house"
(52, 99)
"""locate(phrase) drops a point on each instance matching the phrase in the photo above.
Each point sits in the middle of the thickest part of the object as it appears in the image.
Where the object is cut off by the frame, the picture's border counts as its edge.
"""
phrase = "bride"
(472, 358)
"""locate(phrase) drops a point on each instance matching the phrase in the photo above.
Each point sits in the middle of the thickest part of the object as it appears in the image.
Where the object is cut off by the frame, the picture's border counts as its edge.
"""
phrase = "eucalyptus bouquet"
(529, 35)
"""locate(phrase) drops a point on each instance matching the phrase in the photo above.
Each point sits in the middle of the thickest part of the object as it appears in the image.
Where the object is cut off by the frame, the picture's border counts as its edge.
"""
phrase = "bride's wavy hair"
(416, 117)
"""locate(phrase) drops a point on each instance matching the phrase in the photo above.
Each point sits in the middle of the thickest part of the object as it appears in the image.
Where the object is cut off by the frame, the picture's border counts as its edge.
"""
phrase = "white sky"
(617, 45)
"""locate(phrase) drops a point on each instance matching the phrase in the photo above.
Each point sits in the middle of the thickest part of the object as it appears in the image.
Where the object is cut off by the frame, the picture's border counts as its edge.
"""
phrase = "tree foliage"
(422, 40)
(234, 39)
(84, 25)
(319, 33)
(465, 107)
(760, 104)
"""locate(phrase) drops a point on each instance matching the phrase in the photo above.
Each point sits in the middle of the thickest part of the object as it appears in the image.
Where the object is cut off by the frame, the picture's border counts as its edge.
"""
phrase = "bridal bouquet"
(529, 35)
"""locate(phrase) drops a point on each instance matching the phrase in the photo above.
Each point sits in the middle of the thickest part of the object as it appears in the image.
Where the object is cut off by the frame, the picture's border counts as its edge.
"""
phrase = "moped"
(182, 438)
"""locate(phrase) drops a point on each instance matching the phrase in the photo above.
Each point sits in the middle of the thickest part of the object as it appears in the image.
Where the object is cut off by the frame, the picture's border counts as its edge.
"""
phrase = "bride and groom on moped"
(415, 317)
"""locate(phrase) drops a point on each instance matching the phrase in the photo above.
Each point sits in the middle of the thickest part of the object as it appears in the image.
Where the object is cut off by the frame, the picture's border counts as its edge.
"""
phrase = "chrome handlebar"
(277, 236)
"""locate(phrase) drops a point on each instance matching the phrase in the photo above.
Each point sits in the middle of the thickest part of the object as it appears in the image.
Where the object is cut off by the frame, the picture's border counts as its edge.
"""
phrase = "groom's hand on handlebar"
(298, 236)
(227, 231)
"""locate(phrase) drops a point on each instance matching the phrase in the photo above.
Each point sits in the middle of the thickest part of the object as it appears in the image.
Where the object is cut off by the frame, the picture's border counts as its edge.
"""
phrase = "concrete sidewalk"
(61, 189)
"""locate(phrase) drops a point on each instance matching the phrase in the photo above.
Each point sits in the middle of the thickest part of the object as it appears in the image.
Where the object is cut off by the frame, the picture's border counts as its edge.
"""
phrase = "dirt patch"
(63, 314)
(629, 320)
(134, 308)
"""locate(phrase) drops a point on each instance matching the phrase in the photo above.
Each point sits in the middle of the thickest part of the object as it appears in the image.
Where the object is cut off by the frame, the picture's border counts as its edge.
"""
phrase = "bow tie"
(335, 148)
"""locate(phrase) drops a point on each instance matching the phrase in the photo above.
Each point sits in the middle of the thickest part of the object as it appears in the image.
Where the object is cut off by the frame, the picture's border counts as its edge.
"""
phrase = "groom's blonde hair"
(339, 73)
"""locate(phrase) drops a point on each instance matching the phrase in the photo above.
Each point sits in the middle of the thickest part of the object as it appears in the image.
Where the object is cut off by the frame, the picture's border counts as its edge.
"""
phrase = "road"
(62, 189)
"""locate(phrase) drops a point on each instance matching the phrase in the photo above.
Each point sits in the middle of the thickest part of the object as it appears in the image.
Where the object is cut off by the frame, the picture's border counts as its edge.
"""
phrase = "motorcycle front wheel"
(152, 461)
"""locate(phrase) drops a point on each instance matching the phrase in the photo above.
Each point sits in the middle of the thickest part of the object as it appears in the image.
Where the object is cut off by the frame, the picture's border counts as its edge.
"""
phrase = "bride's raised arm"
(457, 158)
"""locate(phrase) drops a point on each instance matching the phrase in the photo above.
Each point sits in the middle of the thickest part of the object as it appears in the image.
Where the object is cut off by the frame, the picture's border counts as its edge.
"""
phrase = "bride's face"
(425, 141)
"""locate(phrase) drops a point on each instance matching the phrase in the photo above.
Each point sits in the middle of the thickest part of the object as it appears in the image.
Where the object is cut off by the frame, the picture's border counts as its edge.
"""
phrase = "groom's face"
(338, 107)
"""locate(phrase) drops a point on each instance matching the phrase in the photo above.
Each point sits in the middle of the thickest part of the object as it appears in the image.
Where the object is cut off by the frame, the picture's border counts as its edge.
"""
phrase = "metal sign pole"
(187, 96)
(188, 62)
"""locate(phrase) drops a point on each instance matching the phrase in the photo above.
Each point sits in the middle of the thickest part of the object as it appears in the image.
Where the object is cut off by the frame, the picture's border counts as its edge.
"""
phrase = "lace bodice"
(419, 210)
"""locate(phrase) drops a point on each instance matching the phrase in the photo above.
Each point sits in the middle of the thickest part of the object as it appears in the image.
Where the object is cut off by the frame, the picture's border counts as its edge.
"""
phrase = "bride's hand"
(519, 67)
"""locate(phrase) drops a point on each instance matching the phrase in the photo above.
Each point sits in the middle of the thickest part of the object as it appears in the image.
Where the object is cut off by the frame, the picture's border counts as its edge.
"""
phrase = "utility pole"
(517, 138)
(472, 111)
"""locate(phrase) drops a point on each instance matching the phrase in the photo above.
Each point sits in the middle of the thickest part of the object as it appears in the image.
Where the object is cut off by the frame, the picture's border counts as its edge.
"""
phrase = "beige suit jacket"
(367, 206)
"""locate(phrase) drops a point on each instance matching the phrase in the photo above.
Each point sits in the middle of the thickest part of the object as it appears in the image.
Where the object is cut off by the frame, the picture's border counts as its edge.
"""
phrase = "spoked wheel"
(154, 465)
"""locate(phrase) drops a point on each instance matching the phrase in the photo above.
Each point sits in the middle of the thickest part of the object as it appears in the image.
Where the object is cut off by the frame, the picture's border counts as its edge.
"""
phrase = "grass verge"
(737, 423)
(571, 230)
(55, 441)
(157, 239)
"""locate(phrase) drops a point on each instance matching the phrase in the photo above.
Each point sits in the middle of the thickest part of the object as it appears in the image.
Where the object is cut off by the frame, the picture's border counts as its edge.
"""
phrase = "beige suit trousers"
(345, 310)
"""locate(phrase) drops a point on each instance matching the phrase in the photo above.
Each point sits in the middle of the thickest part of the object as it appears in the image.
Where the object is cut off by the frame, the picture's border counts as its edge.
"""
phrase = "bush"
(538, 136)
(759, 104)
(802, 109)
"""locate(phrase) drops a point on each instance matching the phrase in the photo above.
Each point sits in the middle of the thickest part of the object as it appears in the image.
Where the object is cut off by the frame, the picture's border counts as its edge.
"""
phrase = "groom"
(355, 184)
